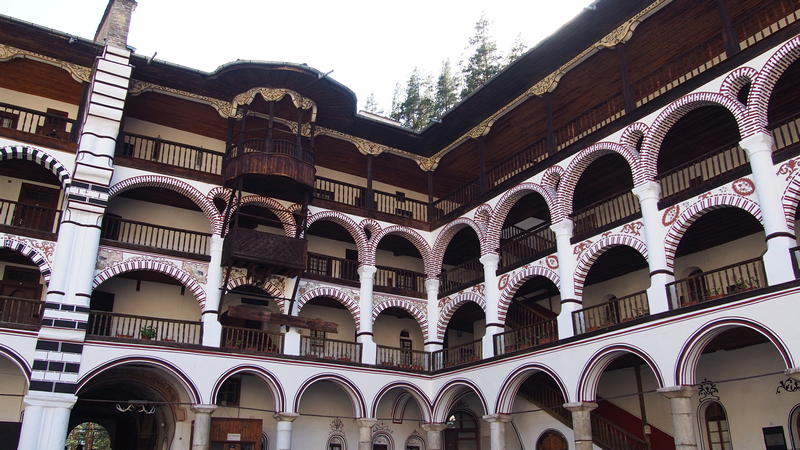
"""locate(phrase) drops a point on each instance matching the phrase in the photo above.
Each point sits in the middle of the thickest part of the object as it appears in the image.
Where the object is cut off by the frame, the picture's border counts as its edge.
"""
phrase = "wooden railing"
(248, 339)
(539, 333)
(590, 121)
(701, 170)
(461, 197)
(143, 329)
(718, 283)
(160, 237)
(171, 153)
(400, 205)
(340, 192)
(400, 281)
(36, 122)
(330, 349)
(332, 268)
(29, 217)
(528, 246)
(607, 434)
(463, 275)
(768, 18)
(270, 146)
(20, 311)
(414, 360)
(600, 214)
(786, 134)
(610, 313)
(455, 356)
(520, 315)
(517, 163)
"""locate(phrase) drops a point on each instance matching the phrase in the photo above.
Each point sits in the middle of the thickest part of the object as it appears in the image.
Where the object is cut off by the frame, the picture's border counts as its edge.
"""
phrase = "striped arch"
(510, 387)
(135, 264)
(446, 235)
(597, 364)
(32, 253)
(350, 388)
(791, 200)
(632, 134)
(764, 84)
(579, 164)
(695, 210)
(173, 184)
(692, 349)
(452, 306)
(334, 293)
(507, 201)
(671, 115)
(412, 391)
(516, 281)
(415, 238)
(39, 157)
(284, 215)
(590, 255)
(190, 388)
(406, 306)
(269, 288)
(736, 80)
(356, 232)
(272, 382)
(551, 178)
(451, 393)
(482, 216)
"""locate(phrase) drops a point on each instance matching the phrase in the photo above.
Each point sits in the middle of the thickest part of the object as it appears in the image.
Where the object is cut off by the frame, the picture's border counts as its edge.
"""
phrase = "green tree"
(517, 49)
(416, 109)
(446, 94)
(396, 112)
(371, 105)
(484, 62)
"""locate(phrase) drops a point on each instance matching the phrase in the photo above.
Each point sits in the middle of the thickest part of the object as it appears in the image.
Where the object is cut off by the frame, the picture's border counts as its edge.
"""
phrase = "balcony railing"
(528, 246)
(400, 205)
(20, 216)
(768, 18)
(271, 146)
(18, 312)
(607, 434)
(723, 282)
(590, 121)
(455, 356)
(414, 360)
(678, 183)
(539, 333)
(340, 192)
(174, 154)
(610, 313)
(148, 236)
(604, 213)
(248, 339)
(463, 196)
(330, 349)
(400, 281)
(57, 126)
(786, 133)
(517, 163)
(461, 276)
(332, 268)
(129, 327)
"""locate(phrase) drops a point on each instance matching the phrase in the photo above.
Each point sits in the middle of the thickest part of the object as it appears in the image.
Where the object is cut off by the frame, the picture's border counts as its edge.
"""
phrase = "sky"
(368, 45)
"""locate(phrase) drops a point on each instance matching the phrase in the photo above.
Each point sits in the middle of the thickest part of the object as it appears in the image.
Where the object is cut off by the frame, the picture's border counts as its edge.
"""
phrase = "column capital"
(285, 416)
(204, 409)
(366, 271)
(366, 422)
(50, 399)
(792, 371)
(490, 260)
(649, 190)
(757, 143)
(504, 418)
(432, 285)
(562, 228)
(678, 391)
(580, 406)
(432, 427)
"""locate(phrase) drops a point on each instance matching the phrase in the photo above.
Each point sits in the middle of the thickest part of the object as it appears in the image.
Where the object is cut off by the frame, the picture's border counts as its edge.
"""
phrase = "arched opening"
(22, 289)
(526, 235)
(31, 199)
(725, 247)
(333, 335)
(382, 441)
(88, 435)
(699, 152)
(14, 386)
(463, 431)
(461, 266)
(242, 312)
(535, 402)
(615, 290)
(401, 269)
(552, 440)
(603, 197)
(406, 408)
(400, 339)
(462, 338)
(326, 405)
(782, 113)
(531, 317)
(332, 253)
(245, 403)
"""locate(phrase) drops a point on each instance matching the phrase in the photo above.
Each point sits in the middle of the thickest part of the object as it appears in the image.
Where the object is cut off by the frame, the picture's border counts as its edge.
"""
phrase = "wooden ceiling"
(38, 78)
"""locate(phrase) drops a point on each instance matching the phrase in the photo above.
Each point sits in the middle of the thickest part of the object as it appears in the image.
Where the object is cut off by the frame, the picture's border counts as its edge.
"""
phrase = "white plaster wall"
(619, 387)
(320, 404)
(386, 331)
(748, 247)
(153, 299)
(158, 214)
(346, 330)
(145, 128)
(13, 386)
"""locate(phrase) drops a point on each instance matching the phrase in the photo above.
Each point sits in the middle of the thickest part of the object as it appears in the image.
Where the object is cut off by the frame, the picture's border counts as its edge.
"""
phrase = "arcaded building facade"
(597, 249)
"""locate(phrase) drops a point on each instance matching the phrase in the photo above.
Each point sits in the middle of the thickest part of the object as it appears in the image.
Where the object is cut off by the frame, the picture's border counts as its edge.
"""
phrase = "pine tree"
(396, 113)
(484, 62)
(417, 107)
(517, 49)
(371, 105)
(446, 90)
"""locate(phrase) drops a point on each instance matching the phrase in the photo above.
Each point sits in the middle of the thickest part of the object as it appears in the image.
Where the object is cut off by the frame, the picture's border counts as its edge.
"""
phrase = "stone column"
(366, 274)
(283, 437)
(683, 417)
(365, 433)
(434, 435)
(490, 261)
(201, 433)
(582, 423)
(212, 330)
(777, 260)
(566, 271)
(649, 193)
(432, 289)
(497, 430)
(45, 423)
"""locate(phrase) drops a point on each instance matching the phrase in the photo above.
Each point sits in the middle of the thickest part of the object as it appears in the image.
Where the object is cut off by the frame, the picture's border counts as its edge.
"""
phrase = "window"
(228, 394)
(718, 433)
(406, 353)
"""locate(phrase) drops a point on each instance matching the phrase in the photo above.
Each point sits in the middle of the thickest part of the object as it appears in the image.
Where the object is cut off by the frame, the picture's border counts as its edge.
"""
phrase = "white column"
(283, 437)
(649, 193)
(365, 433)
(683, 417)
(432, 290)
(366, 275)
(212, 330)
(777, 260)
(291, 342)
(582, 423)
(201, 433)
(434, 435)
(45, 423)
(566, 271)
(497, 430)
(490, 261)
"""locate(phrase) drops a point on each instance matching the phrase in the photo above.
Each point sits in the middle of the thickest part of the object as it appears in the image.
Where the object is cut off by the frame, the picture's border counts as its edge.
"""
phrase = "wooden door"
(36, 208)
(551, 441)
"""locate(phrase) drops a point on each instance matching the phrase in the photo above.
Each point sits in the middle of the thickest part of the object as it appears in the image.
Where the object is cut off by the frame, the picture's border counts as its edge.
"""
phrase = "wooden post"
(369, 202)
(269, 126)
(627, 91)
(431, 209)
(728, 32)
(298, 141)
(637, 370)
(484, 184)
(551, 135)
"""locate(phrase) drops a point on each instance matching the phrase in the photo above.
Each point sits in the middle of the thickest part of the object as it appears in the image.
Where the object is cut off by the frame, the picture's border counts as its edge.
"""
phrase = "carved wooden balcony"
(271, 167)
(263, 253)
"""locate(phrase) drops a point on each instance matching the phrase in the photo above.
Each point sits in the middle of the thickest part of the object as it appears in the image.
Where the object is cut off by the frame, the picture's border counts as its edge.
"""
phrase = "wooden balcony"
(461, 276)
(29, 220)
(49, 129)
(613, 312)
(271, 167)
(411, 360)
(786, 133)
(264, 253)
(144, 330)
(24, 313)
(175, 158)
(526, 246)
(604, 214)
(251, 340)
(155, 238)
(716, 284)
(456, 356)
(331, 268)
(400, 281)
(540, 333)
(330, 349)
(355, 199)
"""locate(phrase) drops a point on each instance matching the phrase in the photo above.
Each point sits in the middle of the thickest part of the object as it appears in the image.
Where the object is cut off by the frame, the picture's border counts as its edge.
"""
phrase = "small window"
(229, 392)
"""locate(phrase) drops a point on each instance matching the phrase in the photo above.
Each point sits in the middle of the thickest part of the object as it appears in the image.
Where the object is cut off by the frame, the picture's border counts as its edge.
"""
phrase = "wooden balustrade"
(19, 216)
(455, 356)
(400, 205)
(332, 268)
(768, 18)
(517, 163)
(330, 349)
(723, 282)
(605, 213)
(340, 192)
(786, 133)
(16, 312)
(169, 153)
(540, 333)
(414, 360)
(612, 312)
(149, 236)
(590, 121)
(143, 329)
(25, 120)
(400, 281)
(607, 434)
(680, 182)
(527, 246)
(463, 275)
(272, 147)
(459, 198)
(251, 340)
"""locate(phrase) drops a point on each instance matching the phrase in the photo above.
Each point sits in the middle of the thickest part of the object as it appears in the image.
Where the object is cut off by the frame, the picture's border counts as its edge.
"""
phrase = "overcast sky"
(369, 45)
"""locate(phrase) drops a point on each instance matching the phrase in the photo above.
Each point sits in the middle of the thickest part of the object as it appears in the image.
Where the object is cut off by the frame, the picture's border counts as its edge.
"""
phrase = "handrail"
(722, 282)
(331, 267)
(171, 153)
(699, 170)
(455, 356)
(37, 122)
(402, 280)
(414, 360)
(785, 132)
(607, 434)
(539, 333)
(460, 276)
(29, 217)
(270, 147)
(330, 349)
(400, 205)
(518, 162)
(155, 236)
(20, 311)
(248, 339)
(613, 312)
(143, 328)
(612, 209)
(527, 246)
